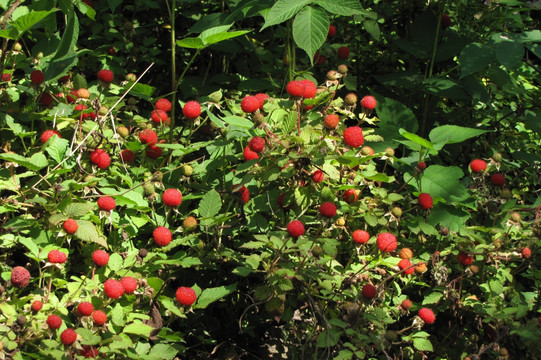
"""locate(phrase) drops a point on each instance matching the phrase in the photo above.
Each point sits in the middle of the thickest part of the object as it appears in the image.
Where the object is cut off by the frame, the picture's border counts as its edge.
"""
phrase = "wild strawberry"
(85, 308)
(310, 89)
(162, 236)
(426, 201)
(386, 242)
(99, 317)
(327, 209)
(445, 21)
(37, 77)
(100, 158)
(421, 165)
(250, 104)
(127, 155)
(295, 228)
(172, 197)
(368, 102)
(353, 136)
(45, 99)
(360, 236)
(68, 336)
(427, 315)
(526, 253)
(47, 134)
(295, 88)
(262, 97)
(106, 203)
(249, 154)
(159, 116)
(163, 104)
(406, 304)
(497, 179)
(318, 176)
(405, 253)
(406, 264)
(129, 284)
(369, 291)
(56, 257)
(478, 165)
(89, 351)
(154, 152)
(148, 136)
(350, 196)
(257, 144)
(191, 109)
(332, 31)
(331, 121)
(343, 52)
(113, 289)
(106, 76)
(54, 321)
(20, 277)
(465, 259)
(244, 193)
(100, 257)
(70, 226)
(37, 305)
(185, 295)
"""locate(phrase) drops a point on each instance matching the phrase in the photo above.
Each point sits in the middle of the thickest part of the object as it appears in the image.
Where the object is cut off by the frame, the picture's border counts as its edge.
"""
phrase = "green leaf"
(163, 352)
(115, 262)
(422, 344)
(328, 338)
(442, 181)
(69, 38)
(30, 245)
(432, 298)
(509, 53)
(37, 162)
(310, 29)
(56, 219)
(210, 295)
(451, 134)
(210, 204)
(141, 90)
(416, 139)
(57, 148)
(87, 232)
(372, 27)
(170, 305)
(341, 7)
(137, 328)
(452, 218)
(78, 209)
(88, 337)
(238, 121)
(26, 22)
(191, 43)
(395, 115)
(474, 58)
(216, 38)
(283, 10)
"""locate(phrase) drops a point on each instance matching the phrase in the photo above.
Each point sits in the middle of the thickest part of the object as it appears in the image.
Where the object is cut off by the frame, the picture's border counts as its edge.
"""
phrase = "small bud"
(343, 69)
(131, 77)
(443, 231)
(516, 217)
(186, 170)
(143, 253)
(350, 99)
(389, 152)
(340, 221)
(17, 46)
(497, 157)
(396, 211)
(123, 131)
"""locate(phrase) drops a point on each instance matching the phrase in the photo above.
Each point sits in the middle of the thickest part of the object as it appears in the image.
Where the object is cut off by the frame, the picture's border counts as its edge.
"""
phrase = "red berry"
(172, 197)
(249, 154)
(89, 351)
(56, 257)
(162, 236)
(129, 284)
(478, 165)
(369, 291)
(154, 152)
(37, 77)
(526, 253)
(99, 317)
(71, 97)
(295, 228)
(331, 121)
(318, 176)
(332, 31)
(105, 75)
(360, 236)
(106, 203)
(350, 196)
(68, 336)
(327, 209)
(343, 52)
(37, 305)
(185, 295)
(261, 97)
(244, 193)
(257, 144)
(100, 257)
(148, 136)
(368, 102)
(386, 242)
(20, 277)
(163, 104)
(310, 89)
(47, 134)
(250, 104)
(54, 322)
(70, 226)
(113, 288)
(85, 309)
(426, 201)
(6, 77)
(498, 179)
(191, 109)
(319, 59)
(353, 136)
(100, 158)
(159, 116)
(427, 315)
(445, 21)
(421, 165)
(465, 259)
(127, 155)
(406, 304)
(295, 88)
(111, 50)
(406, 264)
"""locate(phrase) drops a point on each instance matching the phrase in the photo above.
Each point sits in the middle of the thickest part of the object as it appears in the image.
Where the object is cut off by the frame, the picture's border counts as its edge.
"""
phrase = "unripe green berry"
(497, 157)
(259, 118)
(343, 69)
(396, 211)
(132, 101)
(148, 188)
(39, 55)
(216, 96)
(186, 170)
(317, 251)
(123, 131)
(17, 46)
(103, 110)
(158, 176)
(131, 77)
(506, 193)
(350, 99)
(389, 152)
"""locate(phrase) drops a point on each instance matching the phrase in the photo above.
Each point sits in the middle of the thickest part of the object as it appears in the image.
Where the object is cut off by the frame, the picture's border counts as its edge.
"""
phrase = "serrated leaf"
(30, 245)
(283, 10)
(422, 344)
(210, 204)
(342, 7)
(37, 162)
(310, 29)
(87, 232)
(373, 138)
(170, 305)
(115, 262)
(474, 58)
(416, 139)
(238, 121)
(432, 298)
(189, 261)
(137, 328)
(57, 148)
(163, 352)
(328, 338)
(78, 209)
(56, 219)
(302, 197)
(26, 22)
(210, 295)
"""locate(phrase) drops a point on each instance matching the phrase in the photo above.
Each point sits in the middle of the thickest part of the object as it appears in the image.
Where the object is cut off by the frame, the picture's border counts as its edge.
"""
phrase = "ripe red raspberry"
(360, 236)
(20, 277)
(406, 264)
(37, 305)
(426, 201)
(68, 336)
(154, 152)
(257, 144)
(172, 197)
(310, 89)
(331, 121)
(99, 317)
(163, 104)
(185, 295)
(406, 304)
(350, 196)
(54, 322)
(127, 155)
(249, 154)
(244, 193)
(526, 253)
(37, 77)
(318, 176)
(159, 116)
(56, 257)
(85, 308)
(369, 291)
(6, 77)
(70, 226)
(478, 165)
(386, 242)
(353, 136)
(343, 52)
(100, 257)
(262, 97)
(497, 179)
(295, 228)
(129, 284)
(191, 109)
(113, 288)
(72, 96)
(250, 104)
(368, 102)
(45, 99)
(319, 59)
(327, 209)
(427, 315)
(162, 236)
(106, 203)
(89, 351)
(100, 158)
(421, 165)
(105, 75)
(295, 88)
(332, 31)
(47, 134)
(465, 259)
(148, 136)
(445, 21)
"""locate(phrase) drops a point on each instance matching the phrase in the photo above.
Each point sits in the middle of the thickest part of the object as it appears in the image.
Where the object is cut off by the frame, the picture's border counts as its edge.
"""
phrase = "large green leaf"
(69, 38)
(210, 36)
(210, 204)
(238, 121)
(78, 209)
(282, 11)
(138, 328)
(310, 29)
(416, 139)
(57, 148)
(422, 344)
(341, 7)
(191, 43)
(210, 295)
(444, 215)
(395, 115)
(440, 181)
(87, 232)
(26, 22)
(474, 58)
(509, 53)
(451, 134)
(37, 162)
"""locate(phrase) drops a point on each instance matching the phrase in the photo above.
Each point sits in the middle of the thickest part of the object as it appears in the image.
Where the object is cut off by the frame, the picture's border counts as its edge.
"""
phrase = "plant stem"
(173, 70)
